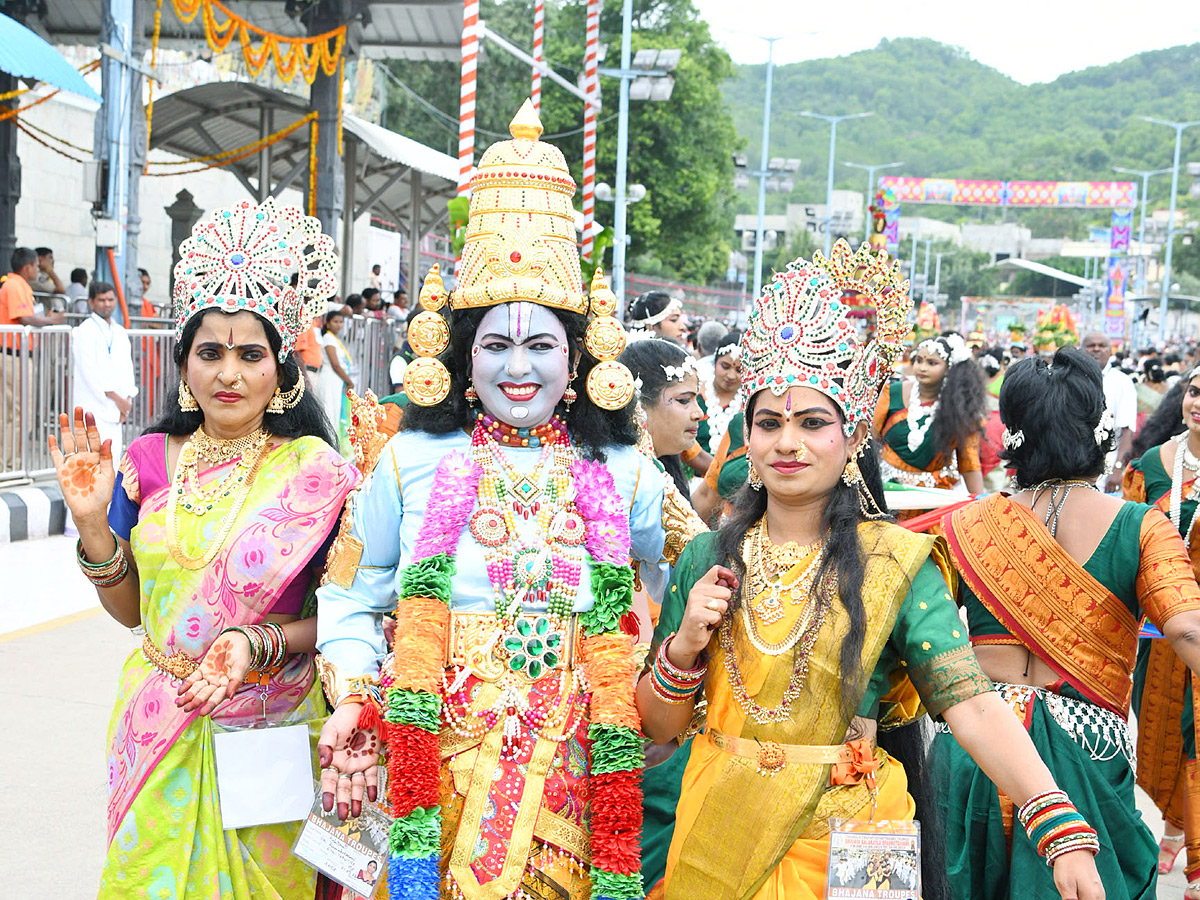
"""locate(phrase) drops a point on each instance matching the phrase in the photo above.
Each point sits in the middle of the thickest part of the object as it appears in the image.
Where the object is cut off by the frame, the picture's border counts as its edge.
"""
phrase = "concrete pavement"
(60, 656)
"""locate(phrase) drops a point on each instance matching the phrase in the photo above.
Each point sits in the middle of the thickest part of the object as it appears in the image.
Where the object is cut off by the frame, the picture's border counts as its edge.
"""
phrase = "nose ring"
(802, 452)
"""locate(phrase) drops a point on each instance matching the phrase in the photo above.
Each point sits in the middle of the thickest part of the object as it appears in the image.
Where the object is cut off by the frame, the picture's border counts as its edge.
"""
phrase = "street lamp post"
(871, 170)
(1166, 281)
(833, 124)
(763, 159)
(1146, 175)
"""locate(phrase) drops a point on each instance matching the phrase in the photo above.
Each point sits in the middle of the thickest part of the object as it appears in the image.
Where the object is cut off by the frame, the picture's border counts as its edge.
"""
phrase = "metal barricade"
(370, 343)
(36, 375)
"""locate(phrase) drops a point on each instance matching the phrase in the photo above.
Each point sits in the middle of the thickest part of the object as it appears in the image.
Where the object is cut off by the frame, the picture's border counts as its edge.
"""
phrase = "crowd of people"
(625, 614)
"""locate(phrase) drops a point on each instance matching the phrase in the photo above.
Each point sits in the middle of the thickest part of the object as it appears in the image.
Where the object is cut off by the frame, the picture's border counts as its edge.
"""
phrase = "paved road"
(59, 660)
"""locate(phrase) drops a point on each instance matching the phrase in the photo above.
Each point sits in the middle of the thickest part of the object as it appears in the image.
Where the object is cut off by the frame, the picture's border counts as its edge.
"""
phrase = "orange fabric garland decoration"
(422, 624)
(607, 659)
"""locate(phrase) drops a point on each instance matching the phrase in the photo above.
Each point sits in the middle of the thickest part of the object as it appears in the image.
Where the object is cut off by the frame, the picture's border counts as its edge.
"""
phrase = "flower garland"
(719, 416)
(413, 713)
(920, 418)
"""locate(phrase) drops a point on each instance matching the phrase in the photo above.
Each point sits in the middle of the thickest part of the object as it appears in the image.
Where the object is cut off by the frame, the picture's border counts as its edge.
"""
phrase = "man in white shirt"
(77, 291)
(102, 366)
(1120, 396)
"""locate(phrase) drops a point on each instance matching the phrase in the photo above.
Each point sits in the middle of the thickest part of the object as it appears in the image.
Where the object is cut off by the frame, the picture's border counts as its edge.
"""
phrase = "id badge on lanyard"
(874, 860)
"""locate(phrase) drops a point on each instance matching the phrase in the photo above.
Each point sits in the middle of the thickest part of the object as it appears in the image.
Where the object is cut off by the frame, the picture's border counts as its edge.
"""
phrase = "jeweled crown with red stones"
(246, 257)
(799, 333)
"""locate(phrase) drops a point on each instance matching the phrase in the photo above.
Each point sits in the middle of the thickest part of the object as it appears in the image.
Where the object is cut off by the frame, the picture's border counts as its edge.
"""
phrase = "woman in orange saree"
(808, 620)
(1162, 696)
(1055, 579)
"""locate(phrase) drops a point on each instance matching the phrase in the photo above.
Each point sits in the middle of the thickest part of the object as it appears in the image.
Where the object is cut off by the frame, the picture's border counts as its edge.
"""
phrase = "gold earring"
(471, 394)
(755, 479)
(187, 400)
(852, 474)
(282, 401)
(570, 395)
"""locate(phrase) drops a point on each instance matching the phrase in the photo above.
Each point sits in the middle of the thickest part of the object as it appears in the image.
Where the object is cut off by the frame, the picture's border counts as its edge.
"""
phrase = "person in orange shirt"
(16, 308)
(309, 353)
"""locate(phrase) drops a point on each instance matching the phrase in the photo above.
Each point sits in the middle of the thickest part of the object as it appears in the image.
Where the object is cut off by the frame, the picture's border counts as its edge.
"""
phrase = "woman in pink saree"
(217, 519)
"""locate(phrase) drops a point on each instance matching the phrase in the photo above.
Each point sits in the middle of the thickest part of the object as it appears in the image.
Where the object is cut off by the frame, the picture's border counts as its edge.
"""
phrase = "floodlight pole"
(871, 170)
(1146, 175)
(1166, 282)
(833, 124)
(762, 167)
(619, 223)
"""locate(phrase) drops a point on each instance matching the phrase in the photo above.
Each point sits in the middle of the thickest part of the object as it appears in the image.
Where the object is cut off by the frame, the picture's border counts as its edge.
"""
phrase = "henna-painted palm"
(83, 464)
(219, 674)
(346, 749)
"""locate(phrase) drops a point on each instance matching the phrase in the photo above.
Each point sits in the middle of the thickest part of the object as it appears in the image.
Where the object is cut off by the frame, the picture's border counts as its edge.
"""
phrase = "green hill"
(947, 115)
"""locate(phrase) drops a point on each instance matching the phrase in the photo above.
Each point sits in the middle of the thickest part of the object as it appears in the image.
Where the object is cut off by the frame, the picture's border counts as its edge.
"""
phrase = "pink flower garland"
(456, 484)
(602, 508)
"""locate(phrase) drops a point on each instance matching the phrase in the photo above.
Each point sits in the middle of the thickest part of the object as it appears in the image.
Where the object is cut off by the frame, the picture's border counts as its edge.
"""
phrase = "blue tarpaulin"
(24, 54)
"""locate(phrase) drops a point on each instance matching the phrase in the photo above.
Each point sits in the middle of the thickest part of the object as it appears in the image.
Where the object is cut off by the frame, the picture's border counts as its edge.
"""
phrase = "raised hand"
(349, 758)
(707, 603)
(84, 467)
(219, 674)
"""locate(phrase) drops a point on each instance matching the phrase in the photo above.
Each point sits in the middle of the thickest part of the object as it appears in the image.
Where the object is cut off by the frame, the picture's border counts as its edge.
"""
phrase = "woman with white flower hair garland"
(1164, 474)
(1055, 581)
(721, 393)
(930, 427)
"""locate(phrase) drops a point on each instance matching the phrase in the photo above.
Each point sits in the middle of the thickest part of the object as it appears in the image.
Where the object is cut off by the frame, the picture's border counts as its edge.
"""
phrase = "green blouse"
(928, 640)
(1114, 563)
(1158, 484)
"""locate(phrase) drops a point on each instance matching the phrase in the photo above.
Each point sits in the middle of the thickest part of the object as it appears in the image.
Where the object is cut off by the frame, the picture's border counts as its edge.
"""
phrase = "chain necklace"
(766, 563)
(219, 451)
(237, 484)
(782, 712)
(1184, 458)
(1059, 492)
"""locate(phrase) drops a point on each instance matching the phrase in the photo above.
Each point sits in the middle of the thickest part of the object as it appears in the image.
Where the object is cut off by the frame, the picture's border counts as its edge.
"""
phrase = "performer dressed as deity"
(1056, 579)
(930, 426)
(219, 516)
(505, 516)
(806, 620)
(1165, 474)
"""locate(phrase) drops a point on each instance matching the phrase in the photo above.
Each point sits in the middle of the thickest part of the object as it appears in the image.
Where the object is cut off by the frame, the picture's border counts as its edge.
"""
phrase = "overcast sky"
(1029, 40)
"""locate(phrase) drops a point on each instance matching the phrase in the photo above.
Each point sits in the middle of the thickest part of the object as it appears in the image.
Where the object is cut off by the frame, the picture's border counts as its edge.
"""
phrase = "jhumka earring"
(187, 400)
(754, 479)
(852, 474)
(471, 394)
(570, 395)
(282, 401)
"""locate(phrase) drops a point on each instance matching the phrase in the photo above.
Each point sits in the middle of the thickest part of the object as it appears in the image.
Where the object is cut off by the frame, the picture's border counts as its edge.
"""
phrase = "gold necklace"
(186, 467)
(219, 451)
(766, 564)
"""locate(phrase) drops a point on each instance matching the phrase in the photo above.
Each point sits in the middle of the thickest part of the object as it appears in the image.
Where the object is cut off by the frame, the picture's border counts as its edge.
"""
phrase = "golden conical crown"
(520, 242)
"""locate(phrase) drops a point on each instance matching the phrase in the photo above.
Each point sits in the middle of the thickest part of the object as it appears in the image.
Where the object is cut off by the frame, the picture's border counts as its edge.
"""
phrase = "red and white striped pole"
(466, 96)
(539, 30)
(591, 75)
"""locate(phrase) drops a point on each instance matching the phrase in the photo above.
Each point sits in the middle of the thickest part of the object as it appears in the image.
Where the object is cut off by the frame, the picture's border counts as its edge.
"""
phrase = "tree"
(681, 149)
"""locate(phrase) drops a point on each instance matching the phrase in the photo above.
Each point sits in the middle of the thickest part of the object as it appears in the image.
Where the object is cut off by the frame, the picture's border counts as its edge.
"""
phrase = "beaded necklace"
(547, 568)
(920, 418)
(511, 436)
(719, 416)
(1184, 458)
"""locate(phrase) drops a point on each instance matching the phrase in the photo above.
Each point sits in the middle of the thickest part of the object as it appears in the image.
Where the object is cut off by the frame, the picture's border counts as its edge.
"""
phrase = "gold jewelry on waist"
(532, 645)
(177, 665)
(780, 754)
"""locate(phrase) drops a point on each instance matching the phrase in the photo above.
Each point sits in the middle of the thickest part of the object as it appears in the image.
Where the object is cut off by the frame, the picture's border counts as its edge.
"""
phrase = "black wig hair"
(306, 418)
(651, 303)
(591, 427)
(1057, 407)
(645, 360)
(1153, 370)
(962, 403)
(1165, 422)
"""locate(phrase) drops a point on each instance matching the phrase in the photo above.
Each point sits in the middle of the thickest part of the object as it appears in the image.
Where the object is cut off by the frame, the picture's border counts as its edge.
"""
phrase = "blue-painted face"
(520, 363)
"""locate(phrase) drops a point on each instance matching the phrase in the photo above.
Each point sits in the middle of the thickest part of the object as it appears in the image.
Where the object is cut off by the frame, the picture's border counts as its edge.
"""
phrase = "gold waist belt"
(530, 646)
(772, 756)
(177, 665)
